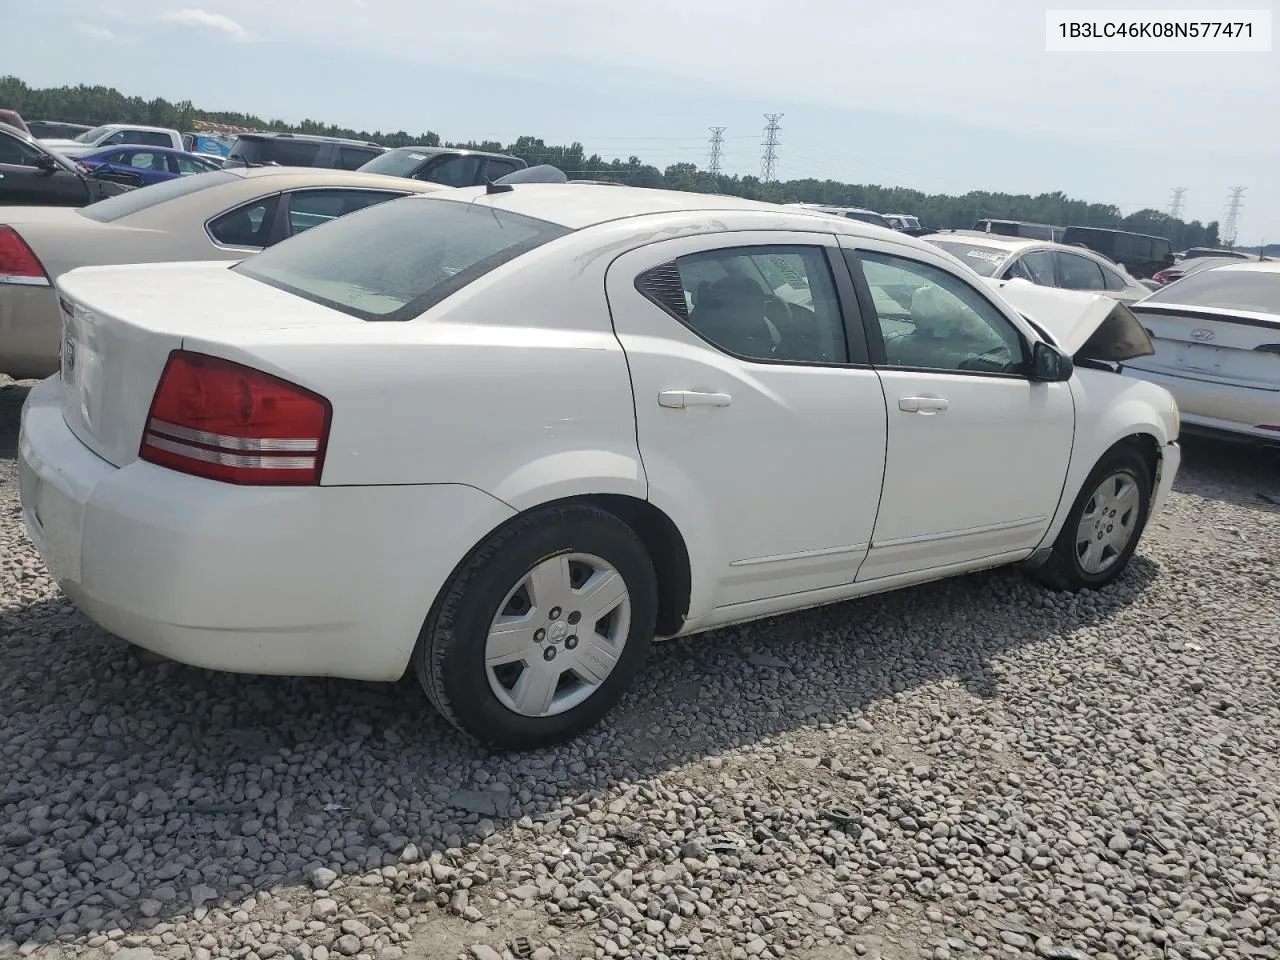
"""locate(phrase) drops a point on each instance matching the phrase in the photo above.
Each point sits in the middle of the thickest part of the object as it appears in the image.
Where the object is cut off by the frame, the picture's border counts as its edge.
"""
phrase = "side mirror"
(46, 163)
(1049, 364)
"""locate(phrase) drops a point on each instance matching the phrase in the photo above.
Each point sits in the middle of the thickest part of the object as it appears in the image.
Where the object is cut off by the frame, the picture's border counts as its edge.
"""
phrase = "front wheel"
(542, 630)
(1104, 526)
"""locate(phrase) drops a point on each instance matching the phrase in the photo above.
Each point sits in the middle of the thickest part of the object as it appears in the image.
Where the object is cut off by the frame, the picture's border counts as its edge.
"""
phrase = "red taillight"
(1165, 276)
(18, 263)
(225, 421)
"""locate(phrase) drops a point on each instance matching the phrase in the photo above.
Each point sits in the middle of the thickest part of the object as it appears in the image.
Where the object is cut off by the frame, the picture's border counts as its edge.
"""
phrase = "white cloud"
(194, 17)
(94, 33)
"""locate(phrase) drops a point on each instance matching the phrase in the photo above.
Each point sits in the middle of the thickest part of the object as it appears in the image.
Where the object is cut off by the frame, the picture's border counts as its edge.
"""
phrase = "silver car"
(1042, 262)
(222, 215)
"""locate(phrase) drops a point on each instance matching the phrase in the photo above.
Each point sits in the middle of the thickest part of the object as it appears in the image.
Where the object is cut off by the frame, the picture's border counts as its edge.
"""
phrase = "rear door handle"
(923, 404)
(680, 399)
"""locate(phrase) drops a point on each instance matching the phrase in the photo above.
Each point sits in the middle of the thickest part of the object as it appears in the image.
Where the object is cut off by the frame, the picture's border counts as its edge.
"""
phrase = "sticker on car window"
(417, 156)
(984, 255)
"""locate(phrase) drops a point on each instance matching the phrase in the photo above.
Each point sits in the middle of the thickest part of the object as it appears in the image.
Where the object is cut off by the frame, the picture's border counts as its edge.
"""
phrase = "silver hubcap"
(558, 635)
(1108, 523)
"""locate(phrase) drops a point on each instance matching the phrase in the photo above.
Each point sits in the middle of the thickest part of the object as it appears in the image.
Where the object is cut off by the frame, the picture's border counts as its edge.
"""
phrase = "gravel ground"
(971, 769)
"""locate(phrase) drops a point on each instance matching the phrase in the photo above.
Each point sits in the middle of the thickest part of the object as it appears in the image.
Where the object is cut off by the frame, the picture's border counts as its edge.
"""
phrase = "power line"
(1175, 206)
(1232, 218)
(717, 150)
(770, 159)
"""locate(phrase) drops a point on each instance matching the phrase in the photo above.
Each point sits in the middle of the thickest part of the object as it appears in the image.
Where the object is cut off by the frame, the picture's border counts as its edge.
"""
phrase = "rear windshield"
(281, 152)
(977, 257)
(394, 260)
(1257, 291)
(133, 201)
(399, 162)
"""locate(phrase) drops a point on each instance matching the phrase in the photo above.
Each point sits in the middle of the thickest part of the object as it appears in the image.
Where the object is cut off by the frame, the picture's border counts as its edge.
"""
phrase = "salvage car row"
(602, 416)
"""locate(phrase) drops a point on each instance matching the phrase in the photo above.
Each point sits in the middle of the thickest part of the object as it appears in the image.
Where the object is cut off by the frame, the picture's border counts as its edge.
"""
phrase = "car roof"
(120, 147)
(136, 126)
(990, 239)
(432, 151)
(289, 177)
(16, 132)
(308, 137)
(578, 206)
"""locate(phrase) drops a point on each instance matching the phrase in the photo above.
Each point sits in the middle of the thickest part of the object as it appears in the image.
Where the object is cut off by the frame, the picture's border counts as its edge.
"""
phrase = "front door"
(756, 412)
(978, 452)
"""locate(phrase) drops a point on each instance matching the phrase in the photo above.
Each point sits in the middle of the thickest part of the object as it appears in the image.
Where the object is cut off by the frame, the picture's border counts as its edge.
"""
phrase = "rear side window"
(394, 260)
(1079, 273)
(311, 208)
(153, 139)
(353, 158)
(289, 153)
(248, 225)
(134, 201)
(1113, 280)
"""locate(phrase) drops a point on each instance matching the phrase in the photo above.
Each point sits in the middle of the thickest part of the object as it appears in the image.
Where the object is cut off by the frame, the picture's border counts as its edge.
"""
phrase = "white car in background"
(1041, 262)
(116, 134)
(221, 215)
(507, 436)
(1217, 348)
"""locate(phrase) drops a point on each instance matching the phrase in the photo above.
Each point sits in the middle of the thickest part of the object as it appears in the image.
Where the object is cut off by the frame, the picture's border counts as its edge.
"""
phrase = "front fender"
(1108, 410)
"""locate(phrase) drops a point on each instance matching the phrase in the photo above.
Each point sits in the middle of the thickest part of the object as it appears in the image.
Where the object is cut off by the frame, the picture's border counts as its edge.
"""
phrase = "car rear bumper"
(315, 581)
(1219, 407)
(30, 331)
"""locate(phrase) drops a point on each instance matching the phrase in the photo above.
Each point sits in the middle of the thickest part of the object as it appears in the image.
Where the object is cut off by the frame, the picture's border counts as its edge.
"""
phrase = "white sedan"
(507, 436)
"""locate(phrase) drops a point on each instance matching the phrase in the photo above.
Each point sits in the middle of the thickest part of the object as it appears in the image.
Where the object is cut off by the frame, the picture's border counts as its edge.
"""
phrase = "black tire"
(1063, 570)
(449, 659)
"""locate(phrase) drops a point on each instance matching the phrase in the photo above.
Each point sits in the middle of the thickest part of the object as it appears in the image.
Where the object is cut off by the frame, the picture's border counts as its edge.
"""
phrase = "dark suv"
(1139, 253)
(300, 150)
(453, 168)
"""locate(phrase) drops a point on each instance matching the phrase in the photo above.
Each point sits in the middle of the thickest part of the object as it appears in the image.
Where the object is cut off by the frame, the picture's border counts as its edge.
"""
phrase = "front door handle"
(923, 404)
(680, 399)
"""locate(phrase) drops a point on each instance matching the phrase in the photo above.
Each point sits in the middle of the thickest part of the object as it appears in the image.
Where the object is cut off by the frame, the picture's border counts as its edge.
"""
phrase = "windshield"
(105, 211)
(394, 260)
(400, 162)
(89, 136)
(982, 259)
(1255, 291)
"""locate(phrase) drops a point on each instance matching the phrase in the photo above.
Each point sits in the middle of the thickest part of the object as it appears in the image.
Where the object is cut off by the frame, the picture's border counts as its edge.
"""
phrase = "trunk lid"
(1235, 347)
(1085, 325)
(120, 323)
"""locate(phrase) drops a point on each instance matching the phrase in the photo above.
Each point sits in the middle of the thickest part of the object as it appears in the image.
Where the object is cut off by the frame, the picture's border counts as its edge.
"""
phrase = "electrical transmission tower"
(1232, 218)
(1175, 206)
(770, 159)
(717, 149)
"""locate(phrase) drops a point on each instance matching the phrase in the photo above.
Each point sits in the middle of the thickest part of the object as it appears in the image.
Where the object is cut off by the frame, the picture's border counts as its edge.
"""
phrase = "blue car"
(145, 164)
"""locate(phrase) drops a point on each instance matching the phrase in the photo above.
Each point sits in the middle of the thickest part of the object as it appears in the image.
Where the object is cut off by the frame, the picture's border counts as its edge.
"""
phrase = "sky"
(943, 96)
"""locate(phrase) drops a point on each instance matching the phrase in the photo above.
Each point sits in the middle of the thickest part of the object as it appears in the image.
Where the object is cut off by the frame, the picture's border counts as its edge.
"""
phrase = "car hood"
(1085, 325)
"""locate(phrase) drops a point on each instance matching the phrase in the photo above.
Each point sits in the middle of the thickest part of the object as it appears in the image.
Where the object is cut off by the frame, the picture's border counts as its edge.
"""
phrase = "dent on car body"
(1089, 326)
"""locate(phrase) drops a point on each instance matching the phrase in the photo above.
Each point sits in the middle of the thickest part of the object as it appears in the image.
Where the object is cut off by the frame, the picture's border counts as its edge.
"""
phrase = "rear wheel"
(541, 630)
(1104, 526)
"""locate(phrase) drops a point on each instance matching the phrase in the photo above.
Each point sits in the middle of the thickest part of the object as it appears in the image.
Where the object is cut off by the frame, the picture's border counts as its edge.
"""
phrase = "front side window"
(310, 208)
(153, 138)
(13, 151)
(1036, 266)
(395, 260)
(756, 303)
(1079, 273)
(190, 165)
(930, 319)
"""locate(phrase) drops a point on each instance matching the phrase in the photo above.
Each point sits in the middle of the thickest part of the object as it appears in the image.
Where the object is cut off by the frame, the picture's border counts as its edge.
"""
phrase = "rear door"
(755, 408)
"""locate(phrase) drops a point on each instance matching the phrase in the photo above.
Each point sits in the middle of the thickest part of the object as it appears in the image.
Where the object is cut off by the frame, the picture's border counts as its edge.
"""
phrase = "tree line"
(98, 104)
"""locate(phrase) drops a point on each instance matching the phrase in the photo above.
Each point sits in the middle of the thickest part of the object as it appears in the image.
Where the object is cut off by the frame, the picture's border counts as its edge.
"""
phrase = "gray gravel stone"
(974, 769)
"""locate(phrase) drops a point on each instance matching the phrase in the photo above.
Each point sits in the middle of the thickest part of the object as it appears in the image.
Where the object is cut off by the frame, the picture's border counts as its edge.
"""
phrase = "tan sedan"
(223, 215)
